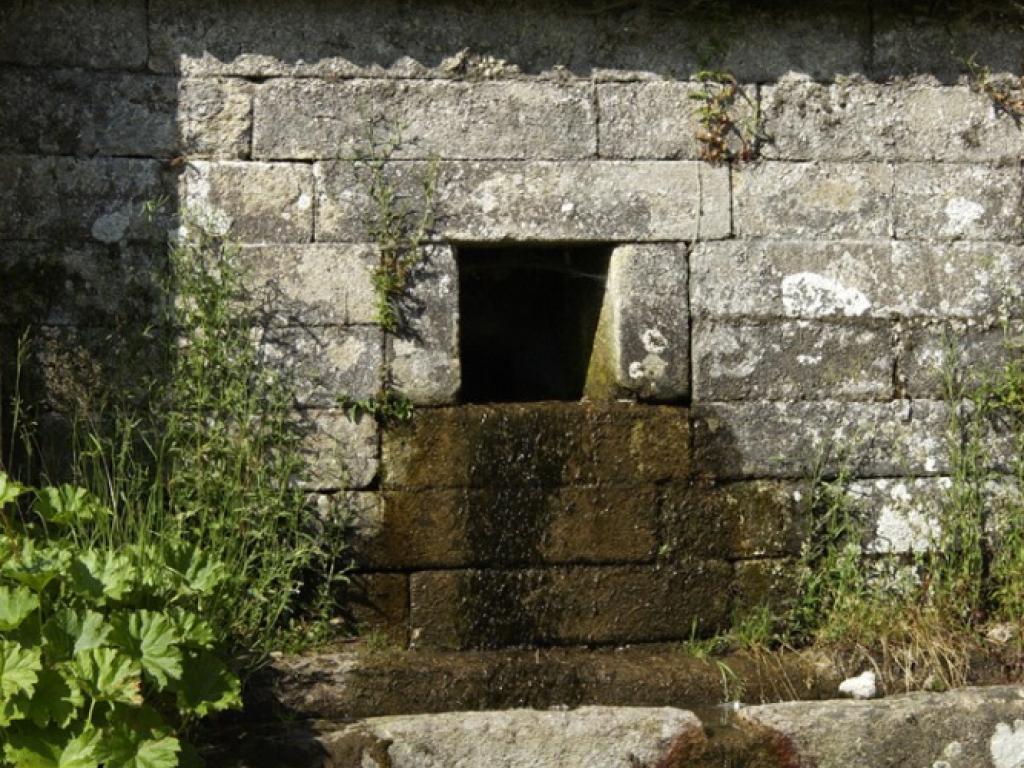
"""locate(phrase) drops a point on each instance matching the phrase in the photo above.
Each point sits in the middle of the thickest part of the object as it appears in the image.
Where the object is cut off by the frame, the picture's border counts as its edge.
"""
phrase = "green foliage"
(387, 407)
(718, 99)
(105, 658)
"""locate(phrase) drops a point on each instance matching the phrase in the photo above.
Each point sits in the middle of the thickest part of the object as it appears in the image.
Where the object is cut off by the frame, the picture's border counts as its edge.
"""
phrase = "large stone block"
(214, 117)
(510, 120)
(833, 200)
(847, 120)
(659, 120)
(453, 528)
(973, 352)
(759, 518)
(765, 278)
(958, 202)
(66, 199)
(773, 584)
(643, 338)
(537, 445)
(82, 284)
(592, 605)
(325, 363)
(314, 284)
(424, 352)
(251, 202)
(340, 452)
(776, 439)
(377, 602)
(902, 515)
(108, 34)
(586, 201)
(791, 360)
(487, 40)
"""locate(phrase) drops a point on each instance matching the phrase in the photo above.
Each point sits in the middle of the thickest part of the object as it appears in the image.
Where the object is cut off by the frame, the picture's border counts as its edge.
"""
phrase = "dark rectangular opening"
(528, 316)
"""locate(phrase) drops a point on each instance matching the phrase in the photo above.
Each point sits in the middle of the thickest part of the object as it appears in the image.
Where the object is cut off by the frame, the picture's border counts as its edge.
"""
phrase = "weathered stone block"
(378, 602)
(251, 202)
(62, 198)
(325, 363)
(586, 201)
(766, 278)
(902, 514)
(314, 284)
(791, 360)
(214, 117)
(643, 338)
(930, 352)
(452, 528)
(658, 120)
(109, 34)
(424, 353)
(619, 604)
(758, 518)
(81, 284)
(835, 200)
(639, 443)
(955, 125)
(847, 120)
(510, 120)
(340, 452)
(958, 202)
(772, 584)
(775, 439)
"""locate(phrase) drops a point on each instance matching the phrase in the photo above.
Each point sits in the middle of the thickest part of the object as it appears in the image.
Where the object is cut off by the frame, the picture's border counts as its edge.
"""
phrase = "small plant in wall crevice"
(721, 100)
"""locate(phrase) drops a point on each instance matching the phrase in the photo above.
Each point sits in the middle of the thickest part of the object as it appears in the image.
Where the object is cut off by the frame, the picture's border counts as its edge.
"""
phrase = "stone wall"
(756, 312)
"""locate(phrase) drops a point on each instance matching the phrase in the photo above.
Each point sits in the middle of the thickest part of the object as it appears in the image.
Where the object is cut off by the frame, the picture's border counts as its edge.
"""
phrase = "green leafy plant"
(386, 407)
(719, 98)
(1007, 99)
(105, 657)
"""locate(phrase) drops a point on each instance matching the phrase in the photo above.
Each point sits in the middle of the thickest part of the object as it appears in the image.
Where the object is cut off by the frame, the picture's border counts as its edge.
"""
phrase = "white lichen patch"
(962, 213)
(1007, 745)
(808, 294)
(654, 341)
(112, 227)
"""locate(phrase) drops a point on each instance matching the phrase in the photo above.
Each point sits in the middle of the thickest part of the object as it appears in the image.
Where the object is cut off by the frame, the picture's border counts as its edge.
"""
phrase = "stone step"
(354, 682)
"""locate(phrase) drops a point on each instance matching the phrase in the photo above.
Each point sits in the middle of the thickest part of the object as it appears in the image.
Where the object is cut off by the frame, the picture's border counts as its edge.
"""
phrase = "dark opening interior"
(528, 315)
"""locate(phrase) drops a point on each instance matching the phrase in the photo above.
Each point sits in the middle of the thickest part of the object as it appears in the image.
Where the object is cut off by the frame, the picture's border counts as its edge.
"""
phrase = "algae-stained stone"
(645, 323)
(214, 117)
(819, 199)
(638, 443)
(67, 199)
(70, 112)
(958, 202)
(340, 452)
(847, 120)
(424, 351)
(82, 284)
(314, 283)
(501, 120)
(251, 202)
(659, 120)
(451, 528)
(377, 603)
(537, 200)
(780, 439)
(583, 604)
(107, 34)
(759, 518)
(773, 584)
(324, 364)
(973, 352)
(791, 360)
(845, 279)
(956, 124)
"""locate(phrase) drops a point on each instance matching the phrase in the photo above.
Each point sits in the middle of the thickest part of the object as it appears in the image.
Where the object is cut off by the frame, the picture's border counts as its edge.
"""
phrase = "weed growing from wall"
(721, 100)
(1008, 99)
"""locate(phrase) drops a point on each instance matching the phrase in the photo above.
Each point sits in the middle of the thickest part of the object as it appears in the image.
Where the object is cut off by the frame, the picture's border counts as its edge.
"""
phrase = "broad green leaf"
(66, 504)
(106, 674)
(193, 631)
(200, 574)
(68, 632)
(9, 490)
(29, 746)
(57, 698)
(13, 709)
(19, 669)
(126, 748)
(103, 575)
(16, 605)
(35, 567)
(207, 685)
(153, 640)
